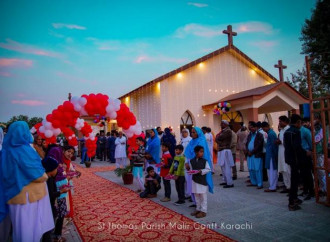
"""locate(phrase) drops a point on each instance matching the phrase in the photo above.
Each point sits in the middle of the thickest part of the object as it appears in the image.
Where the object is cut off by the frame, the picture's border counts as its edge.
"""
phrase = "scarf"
(153, 147)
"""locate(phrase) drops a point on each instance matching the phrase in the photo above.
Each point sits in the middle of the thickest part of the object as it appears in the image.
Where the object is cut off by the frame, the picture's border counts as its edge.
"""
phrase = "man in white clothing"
(120, 151)
(283, 167)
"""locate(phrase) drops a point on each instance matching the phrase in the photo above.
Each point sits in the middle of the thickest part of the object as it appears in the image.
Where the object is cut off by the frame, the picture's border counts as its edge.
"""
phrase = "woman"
(24, 183)
(169, 138)
(185, 139)
(153, 150)
(198, 138)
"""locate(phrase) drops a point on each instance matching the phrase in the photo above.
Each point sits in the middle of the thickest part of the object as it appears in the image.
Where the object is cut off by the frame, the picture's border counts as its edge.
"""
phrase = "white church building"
(186, 96)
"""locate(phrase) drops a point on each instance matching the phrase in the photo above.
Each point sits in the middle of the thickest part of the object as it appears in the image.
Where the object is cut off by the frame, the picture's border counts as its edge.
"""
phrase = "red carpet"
(102, 209)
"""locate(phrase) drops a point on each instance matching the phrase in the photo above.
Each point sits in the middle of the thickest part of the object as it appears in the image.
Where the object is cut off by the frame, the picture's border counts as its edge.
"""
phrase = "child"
(51, 165)
(164, 170)
(199, 183)
(138, 163)
(177, 169)
(151, 184)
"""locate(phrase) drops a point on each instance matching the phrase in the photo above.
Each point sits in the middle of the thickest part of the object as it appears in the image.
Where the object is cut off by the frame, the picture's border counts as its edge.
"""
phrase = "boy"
(164, 170)
(151, 184)
(138, 162)
(177, 169)
(199, 183)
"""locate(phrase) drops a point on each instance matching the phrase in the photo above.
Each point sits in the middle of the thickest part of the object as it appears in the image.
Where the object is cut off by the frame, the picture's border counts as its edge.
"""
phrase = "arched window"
(234, 118)
(186, 121)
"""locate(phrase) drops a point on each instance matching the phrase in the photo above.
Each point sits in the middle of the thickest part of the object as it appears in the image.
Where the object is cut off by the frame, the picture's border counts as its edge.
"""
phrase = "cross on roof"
(230, 34)
(280, 67)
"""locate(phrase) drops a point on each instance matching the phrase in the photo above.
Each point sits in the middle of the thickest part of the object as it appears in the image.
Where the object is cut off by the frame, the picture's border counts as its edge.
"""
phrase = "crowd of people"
(36, 186)
(37, 180)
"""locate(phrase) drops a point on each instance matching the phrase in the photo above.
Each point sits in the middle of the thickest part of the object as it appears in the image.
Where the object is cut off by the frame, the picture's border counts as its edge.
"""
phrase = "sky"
(50, 48)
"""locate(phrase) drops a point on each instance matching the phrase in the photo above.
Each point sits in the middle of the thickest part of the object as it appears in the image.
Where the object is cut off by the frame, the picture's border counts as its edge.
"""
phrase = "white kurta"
(282, 166)
(120, 151)
(198, 188)
(209, 140)
(185, 141)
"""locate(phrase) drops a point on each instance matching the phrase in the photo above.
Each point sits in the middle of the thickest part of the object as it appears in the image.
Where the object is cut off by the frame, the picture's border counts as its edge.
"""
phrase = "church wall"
(202, 84)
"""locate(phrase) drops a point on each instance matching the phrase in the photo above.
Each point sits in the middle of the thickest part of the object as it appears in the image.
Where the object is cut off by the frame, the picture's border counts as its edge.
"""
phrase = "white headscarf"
(185, 141)
(1, 138)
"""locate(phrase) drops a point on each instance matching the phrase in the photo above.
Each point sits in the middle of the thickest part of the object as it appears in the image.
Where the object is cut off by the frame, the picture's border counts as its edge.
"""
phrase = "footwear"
(192, 206)
(285, 191)
(151, 195)
(308, 197)
(223, 183)
(138, 191)
(294, 207)
(220, 174)
(200, 215)
(186, 198)
(178, 203)
(298, 201)
(194, 213)
(234, 177)
(165, 199)
(190, 200)
(269, 190)
(227, 186)
(251, 185)
(261, 187)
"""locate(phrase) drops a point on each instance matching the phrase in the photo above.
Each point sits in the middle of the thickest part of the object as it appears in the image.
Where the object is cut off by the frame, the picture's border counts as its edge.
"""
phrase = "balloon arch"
(68, 115)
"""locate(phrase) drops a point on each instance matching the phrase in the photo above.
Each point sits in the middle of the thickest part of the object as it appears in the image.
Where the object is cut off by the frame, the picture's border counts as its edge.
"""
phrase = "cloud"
(12, 62)
(198, 5)
(29, 102)
(68, 26)
(210, 31)
(105, 45)
(265, 44)
(29, 49)
(5, 74)
(254, 27)
(146, 58)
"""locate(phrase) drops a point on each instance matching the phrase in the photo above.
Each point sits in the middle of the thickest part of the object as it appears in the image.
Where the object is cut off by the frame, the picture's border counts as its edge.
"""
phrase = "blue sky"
(51, 48)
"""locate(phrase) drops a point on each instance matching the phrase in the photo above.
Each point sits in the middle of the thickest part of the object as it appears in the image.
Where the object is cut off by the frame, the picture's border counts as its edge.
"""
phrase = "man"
(111, 146)
(102, 141)
(233, 146)
(283, 167)
(120, 152)
(293, 153)
(271, 161)
(254, 151)
(242, 134)
(209, 139)
(264, 170)
(225, 157)
(307, 163)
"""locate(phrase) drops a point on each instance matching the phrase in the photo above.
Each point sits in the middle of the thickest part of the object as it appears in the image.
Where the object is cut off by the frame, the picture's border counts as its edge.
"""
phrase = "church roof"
(204, 58)
(258, 92)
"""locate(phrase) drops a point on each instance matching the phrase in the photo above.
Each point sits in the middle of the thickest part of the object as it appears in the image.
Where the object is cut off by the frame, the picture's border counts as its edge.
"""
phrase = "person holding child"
(151, 184)
(178, 169)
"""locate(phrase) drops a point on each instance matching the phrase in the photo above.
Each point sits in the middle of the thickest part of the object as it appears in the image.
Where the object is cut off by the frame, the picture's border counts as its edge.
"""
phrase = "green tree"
(31, 121)
(315, 36)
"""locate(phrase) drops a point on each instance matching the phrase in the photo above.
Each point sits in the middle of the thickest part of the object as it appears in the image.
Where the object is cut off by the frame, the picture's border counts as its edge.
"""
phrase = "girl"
(138, 163)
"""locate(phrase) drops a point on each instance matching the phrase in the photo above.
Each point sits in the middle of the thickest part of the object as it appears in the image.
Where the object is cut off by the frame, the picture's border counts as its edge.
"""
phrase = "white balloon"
(48, 133)
(56, 131)
(77, 107)
(33, 130)
(83, 111)
(42, 129)
(82, 101)
(48, 125)
(113, 115)
(75, 99)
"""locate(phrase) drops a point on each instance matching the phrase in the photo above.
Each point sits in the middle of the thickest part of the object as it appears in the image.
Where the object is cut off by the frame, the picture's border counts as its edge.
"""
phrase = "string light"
(210, 90)
(179, 75)
(201, 65)
(253, 72)
(215, 90)
(204, 114)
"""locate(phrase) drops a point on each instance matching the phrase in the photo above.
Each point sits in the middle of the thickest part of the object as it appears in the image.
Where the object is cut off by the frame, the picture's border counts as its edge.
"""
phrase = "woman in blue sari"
(153, 150)
(189, 153)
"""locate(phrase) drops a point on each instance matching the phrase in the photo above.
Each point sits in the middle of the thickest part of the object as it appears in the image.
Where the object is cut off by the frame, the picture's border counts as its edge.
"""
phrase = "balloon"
(48, 133)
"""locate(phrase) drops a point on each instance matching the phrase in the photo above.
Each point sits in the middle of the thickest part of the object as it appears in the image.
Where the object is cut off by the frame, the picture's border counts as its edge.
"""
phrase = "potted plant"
(126, 174)
(88, 163)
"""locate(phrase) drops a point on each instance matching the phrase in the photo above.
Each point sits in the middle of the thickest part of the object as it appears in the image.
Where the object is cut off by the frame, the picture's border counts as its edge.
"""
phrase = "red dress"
(166, 168)
(68, 164)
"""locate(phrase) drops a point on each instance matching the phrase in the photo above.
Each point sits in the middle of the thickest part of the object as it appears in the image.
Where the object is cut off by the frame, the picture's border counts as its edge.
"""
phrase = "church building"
(186, 96)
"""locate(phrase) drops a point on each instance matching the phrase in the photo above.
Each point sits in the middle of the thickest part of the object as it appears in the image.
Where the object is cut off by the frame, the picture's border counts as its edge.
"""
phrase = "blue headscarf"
(169, 138)
(190, 153)
(3, 204)
(20, 163)
(153, 147)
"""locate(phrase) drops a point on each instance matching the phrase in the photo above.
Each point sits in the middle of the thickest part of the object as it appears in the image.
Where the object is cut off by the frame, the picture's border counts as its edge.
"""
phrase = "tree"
(31, 122)
(315, 36)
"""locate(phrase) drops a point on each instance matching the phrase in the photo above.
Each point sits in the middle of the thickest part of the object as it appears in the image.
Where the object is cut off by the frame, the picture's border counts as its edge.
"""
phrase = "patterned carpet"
(106, 211)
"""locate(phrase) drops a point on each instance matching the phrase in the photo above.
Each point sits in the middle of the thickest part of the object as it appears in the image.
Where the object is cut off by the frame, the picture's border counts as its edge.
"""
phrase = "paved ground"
(247, 214)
